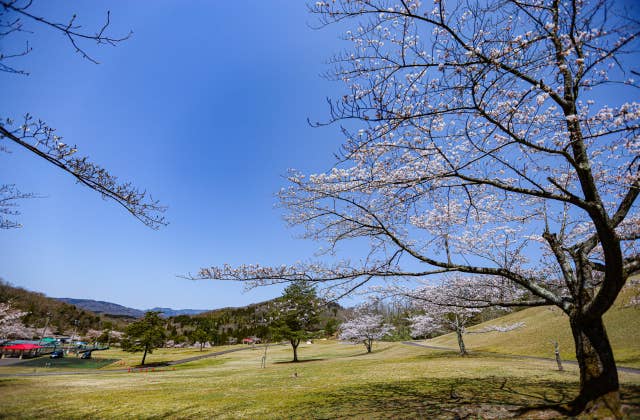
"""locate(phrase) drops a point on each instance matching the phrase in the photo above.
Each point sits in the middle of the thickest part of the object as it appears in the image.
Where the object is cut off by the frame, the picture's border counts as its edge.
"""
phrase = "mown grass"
(111, 359)
(546, 324)
(336, 381)
(66, 363)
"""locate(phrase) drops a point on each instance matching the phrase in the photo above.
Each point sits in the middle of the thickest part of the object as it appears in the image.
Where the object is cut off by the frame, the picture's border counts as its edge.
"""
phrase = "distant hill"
(109, 308)
(60, 317)
(102, 307)
(168, 312)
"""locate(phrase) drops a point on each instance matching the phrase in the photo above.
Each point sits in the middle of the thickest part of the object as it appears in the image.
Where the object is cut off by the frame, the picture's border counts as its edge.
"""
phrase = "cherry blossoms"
(364, 328)
(10, 323)
(42, 140)
(454, 303)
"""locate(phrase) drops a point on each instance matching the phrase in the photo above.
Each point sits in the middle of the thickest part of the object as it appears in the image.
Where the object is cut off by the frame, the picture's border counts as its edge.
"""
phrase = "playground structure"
(24, 349)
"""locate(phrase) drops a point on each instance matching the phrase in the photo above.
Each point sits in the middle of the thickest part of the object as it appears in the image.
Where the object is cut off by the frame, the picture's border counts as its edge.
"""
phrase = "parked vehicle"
(57, 354)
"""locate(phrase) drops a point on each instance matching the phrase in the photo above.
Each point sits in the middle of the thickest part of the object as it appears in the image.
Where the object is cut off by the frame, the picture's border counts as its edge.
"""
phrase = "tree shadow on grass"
(489, 397)
(154, 364)
(291, 362)
(67, 362)
(364, 352)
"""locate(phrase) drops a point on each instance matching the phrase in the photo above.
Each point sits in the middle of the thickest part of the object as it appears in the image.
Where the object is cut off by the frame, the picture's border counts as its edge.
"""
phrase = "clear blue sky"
(205, 107)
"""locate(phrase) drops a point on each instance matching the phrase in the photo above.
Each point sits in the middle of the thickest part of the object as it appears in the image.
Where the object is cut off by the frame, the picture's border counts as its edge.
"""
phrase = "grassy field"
(112, 359)
(334, 380)
(542, 325)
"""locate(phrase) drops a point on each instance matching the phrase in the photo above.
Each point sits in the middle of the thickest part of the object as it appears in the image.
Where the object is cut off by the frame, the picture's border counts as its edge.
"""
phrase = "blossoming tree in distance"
(10, 320)
(495, 139)
(364, 328)
(454, 303)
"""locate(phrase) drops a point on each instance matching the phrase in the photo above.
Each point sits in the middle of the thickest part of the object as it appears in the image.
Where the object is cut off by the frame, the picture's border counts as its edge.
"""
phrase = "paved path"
(94, 371)
(514, 356)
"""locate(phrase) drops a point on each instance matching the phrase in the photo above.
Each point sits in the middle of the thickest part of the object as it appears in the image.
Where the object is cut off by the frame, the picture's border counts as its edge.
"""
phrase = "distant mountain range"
(109, 308)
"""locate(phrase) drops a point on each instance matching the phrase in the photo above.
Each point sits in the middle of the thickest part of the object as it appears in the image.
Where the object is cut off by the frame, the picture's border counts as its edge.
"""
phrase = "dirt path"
(514, 356)
(94, 371)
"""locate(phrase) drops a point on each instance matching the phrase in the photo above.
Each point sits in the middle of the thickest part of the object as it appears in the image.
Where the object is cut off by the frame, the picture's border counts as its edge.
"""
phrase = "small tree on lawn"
(199, 335)
(296, 315)
(145, 335)
(455, 302)
(365, 328)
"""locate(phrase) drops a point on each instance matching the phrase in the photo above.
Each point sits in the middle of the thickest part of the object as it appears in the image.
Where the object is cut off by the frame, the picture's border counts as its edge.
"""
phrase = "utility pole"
(75, 329)
(44, 330)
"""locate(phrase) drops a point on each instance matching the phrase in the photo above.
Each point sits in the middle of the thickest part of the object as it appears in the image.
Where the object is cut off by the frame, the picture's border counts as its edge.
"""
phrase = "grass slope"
(334, 381)
(542, 325)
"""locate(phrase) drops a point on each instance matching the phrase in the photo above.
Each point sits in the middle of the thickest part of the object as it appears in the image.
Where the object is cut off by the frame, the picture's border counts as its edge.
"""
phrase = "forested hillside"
(61, 316)
(226, 325)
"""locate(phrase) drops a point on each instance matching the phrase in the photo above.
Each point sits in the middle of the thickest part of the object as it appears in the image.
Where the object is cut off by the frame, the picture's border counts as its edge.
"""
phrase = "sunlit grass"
(546, 324)
(334, 380)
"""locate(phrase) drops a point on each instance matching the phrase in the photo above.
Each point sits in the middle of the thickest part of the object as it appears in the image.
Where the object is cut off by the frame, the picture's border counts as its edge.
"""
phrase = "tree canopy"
(144, 335)
(296, 315)
(364, 328)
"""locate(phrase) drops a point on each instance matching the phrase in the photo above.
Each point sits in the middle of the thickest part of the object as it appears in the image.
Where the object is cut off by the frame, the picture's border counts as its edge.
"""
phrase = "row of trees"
(294, 317)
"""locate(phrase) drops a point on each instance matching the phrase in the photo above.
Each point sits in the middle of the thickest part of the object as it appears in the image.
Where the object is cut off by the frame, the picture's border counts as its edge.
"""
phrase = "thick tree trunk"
(144, 356)
(463, 349)
(294, 344)
(599, 387)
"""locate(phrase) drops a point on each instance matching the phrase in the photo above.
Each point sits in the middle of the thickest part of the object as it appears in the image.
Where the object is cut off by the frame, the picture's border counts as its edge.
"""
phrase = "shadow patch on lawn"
(443, 354)
(291, 362)
(489, 397)
(66, 362)
(153, 365)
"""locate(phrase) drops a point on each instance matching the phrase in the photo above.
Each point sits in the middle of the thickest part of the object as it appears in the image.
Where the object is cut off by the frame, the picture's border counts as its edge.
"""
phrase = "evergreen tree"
(296, 315)
(145, 335)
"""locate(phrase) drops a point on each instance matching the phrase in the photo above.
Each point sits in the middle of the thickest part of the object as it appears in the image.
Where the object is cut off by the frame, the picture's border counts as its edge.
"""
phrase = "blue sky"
(205, 107)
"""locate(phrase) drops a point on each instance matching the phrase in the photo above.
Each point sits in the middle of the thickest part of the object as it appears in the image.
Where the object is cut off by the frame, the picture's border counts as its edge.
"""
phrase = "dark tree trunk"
(463, 349)
(294, 344)
(144, 356)
(599, 387)
(368, 344)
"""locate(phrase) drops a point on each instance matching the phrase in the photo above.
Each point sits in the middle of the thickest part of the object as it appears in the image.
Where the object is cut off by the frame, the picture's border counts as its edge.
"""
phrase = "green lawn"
(334, 380)
(111, 359)
(64, 363)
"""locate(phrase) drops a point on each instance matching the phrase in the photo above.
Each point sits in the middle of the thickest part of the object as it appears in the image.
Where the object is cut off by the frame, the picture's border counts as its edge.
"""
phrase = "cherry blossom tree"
(364, 328)
(455, 302)
(495, 139)
(17, 18)
(10, 320)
